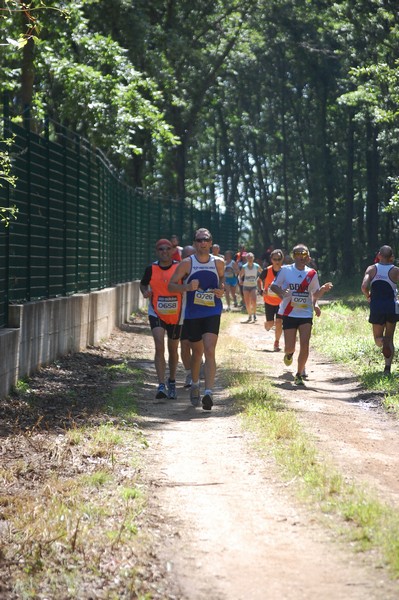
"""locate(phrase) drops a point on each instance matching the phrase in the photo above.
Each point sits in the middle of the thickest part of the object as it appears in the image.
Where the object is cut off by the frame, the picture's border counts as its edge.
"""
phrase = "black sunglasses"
(203, 240)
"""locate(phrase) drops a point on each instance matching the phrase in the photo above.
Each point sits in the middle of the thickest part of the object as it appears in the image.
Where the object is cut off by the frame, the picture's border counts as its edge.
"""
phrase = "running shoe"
(288, 359)
(254, 318)
(195, 395)
(172, 394)
(161, 392)
(304, 375)
(188, 380)
(276, 346)
(249, 320)
(207, 401)
(298, 379)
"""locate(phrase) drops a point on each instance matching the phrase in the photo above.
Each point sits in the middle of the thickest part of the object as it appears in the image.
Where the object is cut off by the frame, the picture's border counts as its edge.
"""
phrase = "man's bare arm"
(176, 283)
(366, 283)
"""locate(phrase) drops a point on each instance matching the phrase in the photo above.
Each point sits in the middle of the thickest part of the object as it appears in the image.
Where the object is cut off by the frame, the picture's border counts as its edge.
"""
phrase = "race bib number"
(167, 305)
(204, 298)
(300, 300)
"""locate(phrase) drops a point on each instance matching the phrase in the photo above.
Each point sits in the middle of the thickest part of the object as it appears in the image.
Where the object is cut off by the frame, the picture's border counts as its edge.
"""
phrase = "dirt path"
(228, 527)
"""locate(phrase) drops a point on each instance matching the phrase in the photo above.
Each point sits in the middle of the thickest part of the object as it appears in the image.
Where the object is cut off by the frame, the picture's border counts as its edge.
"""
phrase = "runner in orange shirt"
(164, 314)
(272, 301)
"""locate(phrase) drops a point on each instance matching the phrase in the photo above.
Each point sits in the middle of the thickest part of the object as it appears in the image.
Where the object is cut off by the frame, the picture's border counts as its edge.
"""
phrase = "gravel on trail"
(222, 522)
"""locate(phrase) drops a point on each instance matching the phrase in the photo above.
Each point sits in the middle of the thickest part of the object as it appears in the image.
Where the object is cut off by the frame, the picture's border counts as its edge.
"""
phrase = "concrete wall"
(40, 331)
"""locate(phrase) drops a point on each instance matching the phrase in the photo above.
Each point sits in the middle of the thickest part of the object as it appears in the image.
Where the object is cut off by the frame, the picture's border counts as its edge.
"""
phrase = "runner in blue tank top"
(202, 277)
(379, 285)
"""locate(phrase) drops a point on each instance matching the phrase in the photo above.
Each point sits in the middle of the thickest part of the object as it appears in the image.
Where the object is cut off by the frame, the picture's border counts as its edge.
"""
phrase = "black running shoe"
(207, 401)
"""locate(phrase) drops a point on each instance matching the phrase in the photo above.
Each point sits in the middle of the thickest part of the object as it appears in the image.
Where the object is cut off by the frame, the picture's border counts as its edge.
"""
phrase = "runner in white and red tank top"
(298, 287)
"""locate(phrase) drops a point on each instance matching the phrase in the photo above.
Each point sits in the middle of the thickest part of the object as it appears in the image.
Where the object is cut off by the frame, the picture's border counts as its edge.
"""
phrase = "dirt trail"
(228, 527)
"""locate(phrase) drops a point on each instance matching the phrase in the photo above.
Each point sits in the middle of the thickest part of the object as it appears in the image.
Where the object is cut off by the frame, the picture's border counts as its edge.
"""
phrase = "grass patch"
(59, 537)
(344, 334)
(76, 527)
(359, 518)
(122, 402)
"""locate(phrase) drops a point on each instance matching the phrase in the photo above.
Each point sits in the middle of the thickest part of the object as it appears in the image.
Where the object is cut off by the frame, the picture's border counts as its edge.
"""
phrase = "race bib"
(299, 300)
(167, 305)
(204, 298)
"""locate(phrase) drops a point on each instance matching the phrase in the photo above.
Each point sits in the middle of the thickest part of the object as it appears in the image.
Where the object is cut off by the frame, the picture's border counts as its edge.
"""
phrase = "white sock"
(195, 384)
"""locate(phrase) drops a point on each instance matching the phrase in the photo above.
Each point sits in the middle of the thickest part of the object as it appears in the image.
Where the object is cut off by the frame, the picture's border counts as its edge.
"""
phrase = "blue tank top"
(202, 302)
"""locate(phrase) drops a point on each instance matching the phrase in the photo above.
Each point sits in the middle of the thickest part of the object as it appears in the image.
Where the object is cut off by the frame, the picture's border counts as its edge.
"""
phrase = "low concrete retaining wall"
(41, 331)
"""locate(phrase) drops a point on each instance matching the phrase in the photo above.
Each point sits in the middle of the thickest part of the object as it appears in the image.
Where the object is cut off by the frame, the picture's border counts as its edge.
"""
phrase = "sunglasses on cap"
(203, 239)
(302, 253)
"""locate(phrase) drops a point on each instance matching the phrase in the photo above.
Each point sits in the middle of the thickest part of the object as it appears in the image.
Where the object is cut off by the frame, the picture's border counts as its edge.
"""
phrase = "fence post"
(26, 120)
(6, 295)
(77, 209)
(48, 175)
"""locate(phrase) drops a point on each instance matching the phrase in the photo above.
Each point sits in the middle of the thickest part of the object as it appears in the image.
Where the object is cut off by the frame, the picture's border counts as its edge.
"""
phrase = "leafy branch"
(7, 213)
(32, 25)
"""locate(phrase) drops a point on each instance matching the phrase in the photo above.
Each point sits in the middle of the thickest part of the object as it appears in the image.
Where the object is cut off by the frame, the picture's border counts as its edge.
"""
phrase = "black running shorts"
(380, 318)
(295, 322)
(173, 331)
(271, 311)
(195, 328)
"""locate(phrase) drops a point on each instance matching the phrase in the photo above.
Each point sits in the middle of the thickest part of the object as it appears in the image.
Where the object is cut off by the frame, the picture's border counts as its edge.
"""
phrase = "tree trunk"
(347, 242)
(372, 167)
(28, 73)
(284, 174)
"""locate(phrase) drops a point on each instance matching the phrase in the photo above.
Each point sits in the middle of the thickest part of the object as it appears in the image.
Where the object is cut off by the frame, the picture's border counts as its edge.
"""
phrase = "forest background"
(285, 111)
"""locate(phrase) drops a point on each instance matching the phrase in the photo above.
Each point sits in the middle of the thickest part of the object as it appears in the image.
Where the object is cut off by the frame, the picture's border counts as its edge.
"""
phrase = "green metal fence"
(80, 227)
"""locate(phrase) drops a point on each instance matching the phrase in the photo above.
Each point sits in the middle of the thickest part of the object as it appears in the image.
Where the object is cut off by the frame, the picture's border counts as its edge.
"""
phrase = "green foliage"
(85, 80)
(283, 113)
(6, 213)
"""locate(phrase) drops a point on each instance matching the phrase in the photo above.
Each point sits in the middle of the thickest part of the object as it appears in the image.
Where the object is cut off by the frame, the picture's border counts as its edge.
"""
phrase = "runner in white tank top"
(298, 287)
(249, 277)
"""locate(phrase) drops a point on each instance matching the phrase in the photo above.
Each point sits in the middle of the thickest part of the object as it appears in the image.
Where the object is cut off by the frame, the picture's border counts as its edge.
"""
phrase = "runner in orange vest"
(271, 300)
(164, 314)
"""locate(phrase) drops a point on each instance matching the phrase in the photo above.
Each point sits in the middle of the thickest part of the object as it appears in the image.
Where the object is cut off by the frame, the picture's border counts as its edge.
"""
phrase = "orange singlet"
(167, 305)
